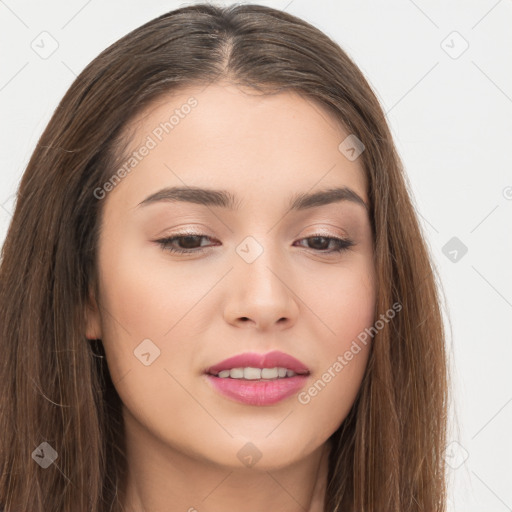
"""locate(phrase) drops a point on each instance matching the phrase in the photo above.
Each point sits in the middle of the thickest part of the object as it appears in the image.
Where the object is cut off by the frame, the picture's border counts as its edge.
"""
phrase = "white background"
(451, 116)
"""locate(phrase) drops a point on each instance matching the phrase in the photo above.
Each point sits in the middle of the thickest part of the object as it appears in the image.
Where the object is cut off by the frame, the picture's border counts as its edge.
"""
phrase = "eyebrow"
(224, 199)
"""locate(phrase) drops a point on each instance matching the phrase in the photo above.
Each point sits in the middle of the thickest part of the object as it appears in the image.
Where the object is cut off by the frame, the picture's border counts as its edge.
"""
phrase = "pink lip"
(255, 360)
(259, 392)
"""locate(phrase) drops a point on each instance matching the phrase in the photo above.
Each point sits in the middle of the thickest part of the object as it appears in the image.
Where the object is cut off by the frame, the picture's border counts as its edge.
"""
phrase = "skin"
(183, 436)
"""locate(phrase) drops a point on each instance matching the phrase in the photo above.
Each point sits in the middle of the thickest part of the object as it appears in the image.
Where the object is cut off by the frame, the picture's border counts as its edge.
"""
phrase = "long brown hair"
(388, 454)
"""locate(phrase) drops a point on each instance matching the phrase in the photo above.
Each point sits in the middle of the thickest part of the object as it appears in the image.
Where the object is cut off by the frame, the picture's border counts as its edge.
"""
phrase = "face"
(258, 271)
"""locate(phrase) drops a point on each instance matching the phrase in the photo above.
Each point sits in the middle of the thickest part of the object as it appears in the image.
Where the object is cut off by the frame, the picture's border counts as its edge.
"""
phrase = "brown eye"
(187, 243)
(321, 244)
(183, 243)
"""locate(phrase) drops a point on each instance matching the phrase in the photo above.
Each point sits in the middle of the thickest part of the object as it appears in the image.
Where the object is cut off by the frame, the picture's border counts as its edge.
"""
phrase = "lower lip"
(258, 392)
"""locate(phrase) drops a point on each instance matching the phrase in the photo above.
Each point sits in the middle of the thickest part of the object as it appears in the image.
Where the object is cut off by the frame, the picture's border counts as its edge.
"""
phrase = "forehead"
(236, 139)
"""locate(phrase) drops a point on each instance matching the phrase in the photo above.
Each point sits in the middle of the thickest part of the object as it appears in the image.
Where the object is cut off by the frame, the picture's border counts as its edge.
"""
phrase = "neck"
(161, 478)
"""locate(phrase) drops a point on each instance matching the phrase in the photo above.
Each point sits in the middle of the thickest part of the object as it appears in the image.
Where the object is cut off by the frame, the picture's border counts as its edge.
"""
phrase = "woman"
(294, 360)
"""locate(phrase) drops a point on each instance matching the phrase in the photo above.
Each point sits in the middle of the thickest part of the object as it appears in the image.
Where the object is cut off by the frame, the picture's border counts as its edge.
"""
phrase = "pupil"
(318, 239)
(189, 240)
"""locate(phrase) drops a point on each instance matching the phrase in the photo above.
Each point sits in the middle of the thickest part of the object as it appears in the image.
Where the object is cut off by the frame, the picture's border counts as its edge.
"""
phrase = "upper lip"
(255, 360)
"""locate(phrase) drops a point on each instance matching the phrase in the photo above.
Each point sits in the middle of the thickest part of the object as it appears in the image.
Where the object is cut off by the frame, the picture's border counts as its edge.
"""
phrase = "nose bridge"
(260, 261)
(260, 291)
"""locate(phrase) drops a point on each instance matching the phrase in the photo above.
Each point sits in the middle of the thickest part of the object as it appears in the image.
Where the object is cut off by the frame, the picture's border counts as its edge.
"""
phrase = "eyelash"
(343, 243)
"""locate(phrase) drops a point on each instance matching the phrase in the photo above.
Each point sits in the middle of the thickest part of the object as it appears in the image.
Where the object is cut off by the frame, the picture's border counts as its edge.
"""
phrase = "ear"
(92, 319)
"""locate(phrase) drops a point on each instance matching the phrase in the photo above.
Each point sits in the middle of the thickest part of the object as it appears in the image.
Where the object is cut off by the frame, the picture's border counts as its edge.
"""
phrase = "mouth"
(258, 379)
(254, 366)
(261, 374)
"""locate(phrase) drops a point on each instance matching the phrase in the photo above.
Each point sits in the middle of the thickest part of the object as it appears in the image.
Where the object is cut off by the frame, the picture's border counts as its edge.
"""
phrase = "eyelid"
(344, 243)
(322, 231)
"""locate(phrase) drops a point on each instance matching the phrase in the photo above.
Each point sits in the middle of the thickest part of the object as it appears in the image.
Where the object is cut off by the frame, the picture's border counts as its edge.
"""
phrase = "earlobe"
(92, 319)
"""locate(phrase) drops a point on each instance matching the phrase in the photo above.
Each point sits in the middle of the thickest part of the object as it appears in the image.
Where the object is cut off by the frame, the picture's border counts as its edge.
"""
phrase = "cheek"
(147, 296)
(330, 395)
(141, 303)
(132, 306)
(342, 300)
(355, 307)
(144, 297)
(348, 308)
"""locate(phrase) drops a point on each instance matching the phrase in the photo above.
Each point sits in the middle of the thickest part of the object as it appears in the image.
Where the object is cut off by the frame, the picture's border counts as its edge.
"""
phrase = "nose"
(261, 294)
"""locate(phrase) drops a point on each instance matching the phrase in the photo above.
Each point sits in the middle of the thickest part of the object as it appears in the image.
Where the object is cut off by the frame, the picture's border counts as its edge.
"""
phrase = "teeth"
(269, 373)
(250, 373)
(236, 373)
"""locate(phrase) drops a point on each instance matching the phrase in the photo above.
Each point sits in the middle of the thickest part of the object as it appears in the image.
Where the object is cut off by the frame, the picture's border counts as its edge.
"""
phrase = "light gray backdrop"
(443, 73)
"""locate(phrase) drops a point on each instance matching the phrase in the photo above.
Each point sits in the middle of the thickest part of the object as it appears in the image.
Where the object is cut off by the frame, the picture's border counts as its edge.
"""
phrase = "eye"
(188, 243)
(321, 243)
